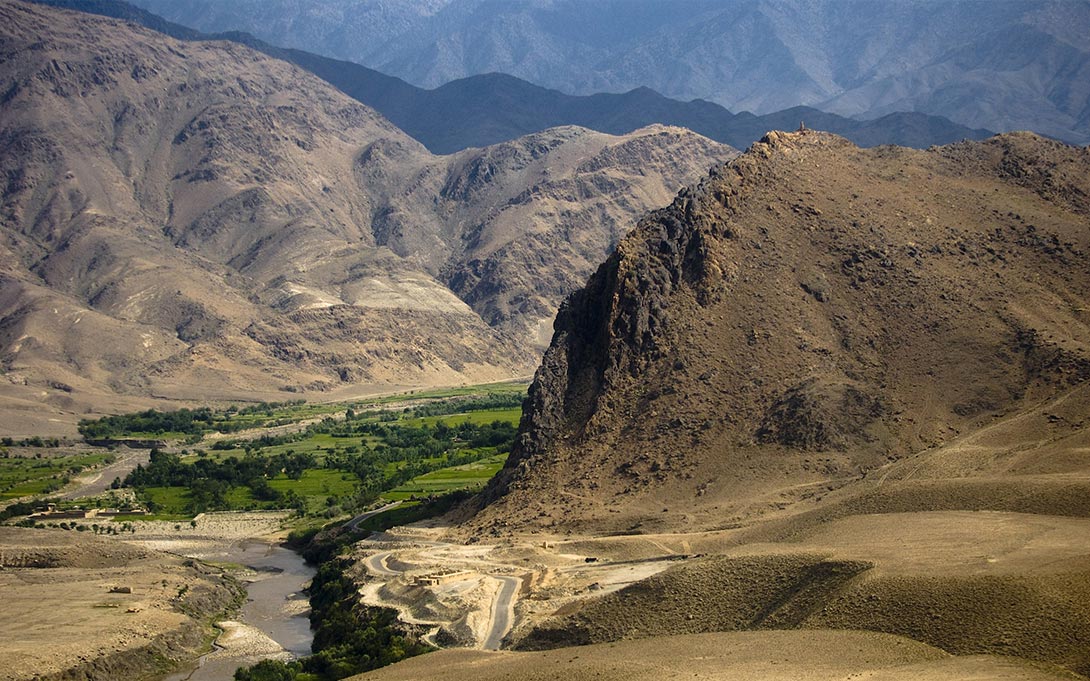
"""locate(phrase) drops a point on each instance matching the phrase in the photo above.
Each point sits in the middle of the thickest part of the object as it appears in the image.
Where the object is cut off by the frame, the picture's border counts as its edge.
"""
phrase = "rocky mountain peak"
(809, 311)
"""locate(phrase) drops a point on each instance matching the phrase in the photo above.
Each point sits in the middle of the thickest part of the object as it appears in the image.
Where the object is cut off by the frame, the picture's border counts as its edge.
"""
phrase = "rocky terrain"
(824, 416)
(78, 607)
(491, 108)
(807, 314)
(199, 221)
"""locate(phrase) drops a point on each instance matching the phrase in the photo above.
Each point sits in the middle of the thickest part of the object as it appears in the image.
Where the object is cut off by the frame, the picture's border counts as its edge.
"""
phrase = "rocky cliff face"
(808, 312)
(197, 220)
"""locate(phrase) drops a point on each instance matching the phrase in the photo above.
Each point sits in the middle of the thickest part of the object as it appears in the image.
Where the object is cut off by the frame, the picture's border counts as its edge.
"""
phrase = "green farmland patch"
(469, 477)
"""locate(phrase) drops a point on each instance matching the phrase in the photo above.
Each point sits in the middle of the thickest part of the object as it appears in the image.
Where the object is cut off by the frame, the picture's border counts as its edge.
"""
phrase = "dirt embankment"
(970, 583)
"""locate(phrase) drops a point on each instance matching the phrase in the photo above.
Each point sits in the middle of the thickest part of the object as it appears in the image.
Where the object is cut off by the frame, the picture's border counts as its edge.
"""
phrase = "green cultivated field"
(170, 503)
(336, 460)
(478, 418)
(469, 477)
(24, 476)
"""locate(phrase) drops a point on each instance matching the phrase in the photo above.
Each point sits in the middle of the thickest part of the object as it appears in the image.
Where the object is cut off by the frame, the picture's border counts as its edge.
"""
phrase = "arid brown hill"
(810, 312)
(198, 220)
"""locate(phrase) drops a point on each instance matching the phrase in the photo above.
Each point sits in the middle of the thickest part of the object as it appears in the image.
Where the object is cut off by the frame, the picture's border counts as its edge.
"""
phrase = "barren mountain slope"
(492, 108)
(164, 197)
(827, 389)
(808, 313)
(536, 216)
(197, 220)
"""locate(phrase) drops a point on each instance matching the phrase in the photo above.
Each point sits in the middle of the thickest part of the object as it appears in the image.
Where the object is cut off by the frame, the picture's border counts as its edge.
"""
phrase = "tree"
(269, 670)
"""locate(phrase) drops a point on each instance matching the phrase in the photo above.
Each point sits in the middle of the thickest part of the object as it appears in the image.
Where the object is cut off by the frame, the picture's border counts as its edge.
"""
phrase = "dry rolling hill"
(197, 220)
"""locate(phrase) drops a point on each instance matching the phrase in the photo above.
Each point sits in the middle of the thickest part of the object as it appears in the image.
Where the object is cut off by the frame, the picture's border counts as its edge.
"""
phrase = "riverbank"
(272, 623)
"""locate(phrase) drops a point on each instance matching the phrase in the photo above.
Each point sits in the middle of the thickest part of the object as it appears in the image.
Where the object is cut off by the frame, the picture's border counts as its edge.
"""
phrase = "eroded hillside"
(197, 220)
(827, 389)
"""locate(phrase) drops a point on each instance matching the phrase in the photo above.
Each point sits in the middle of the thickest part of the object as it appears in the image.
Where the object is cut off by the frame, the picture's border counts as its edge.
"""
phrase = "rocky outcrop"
(808, 312)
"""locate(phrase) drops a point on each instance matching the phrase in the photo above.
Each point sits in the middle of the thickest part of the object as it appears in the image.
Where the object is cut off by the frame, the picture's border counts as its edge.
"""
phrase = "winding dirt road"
(377, 565)
(351, 524)
(93, 483)
(503, 612)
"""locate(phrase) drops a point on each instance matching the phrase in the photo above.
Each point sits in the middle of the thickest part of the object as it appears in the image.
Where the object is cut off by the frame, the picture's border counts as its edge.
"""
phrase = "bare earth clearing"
(67, 613)
(63, 616)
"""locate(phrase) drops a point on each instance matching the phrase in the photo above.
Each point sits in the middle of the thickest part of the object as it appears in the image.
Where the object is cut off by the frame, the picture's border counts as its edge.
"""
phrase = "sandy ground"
(62, 610)
(212, 532)
(65, 605)
(238, 644)
(740, 656)
(970, 582)
(95, 482)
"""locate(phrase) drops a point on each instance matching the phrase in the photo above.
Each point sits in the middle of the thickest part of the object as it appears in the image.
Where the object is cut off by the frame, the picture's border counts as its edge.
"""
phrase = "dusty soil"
(978, 547)
(211, 533)
(65, 618)
(746, 656)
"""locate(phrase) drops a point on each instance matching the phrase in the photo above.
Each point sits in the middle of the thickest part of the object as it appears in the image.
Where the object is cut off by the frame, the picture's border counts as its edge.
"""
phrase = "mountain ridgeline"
(487, 109)
(809, 312)
(1011, 65)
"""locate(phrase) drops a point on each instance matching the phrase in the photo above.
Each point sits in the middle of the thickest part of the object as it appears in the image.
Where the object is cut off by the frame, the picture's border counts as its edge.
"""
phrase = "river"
(276, 608)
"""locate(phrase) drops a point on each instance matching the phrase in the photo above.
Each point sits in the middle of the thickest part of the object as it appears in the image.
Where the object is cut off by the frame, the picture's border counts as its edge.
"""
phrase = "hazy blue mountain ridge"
(490, 108)
(1015, 64)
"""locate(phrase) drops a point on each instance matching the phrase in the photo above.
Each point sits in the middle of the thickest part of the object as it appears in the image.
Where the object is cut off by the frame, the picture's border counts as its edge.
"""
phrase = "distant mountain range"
(1006, 65)
(491, 108)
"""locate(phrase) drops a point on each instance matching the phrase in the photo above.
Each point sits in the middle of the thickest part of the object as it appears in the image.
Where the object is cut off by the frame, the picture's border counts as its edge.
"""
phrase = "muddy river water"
(273, 621)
